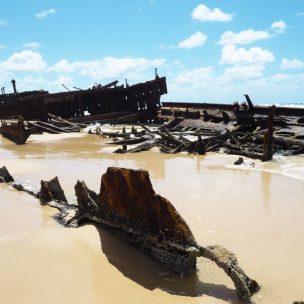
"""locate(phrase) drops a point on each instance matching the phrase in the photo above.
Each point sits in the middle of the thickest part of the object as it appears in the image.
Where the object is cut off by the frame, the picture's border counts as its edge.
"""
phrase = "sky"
(210, 51)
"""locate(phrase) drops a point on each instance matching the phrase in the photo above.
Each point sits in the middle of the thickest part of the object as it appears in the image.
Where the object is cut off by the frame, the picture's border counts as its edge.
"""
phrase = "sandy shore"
(255, 210)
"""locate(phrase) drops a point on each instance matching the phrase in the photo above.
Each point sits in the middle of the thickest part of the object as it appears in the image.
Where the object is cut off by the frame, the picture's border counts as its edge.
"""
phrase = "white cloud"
(206, 85)
(244, 37)
(243, 72)
(66, 80)
(196, 40)
(64, 66)
(291, 64)
(32, 45)
(108, 67)
(280, 77)
(278, 88)
(177, 62)
(279, 26)
(167, 47)
(3, 23)
(197, 75)
(26, 60)
(283, 78)
(31, 83)
(203, 13)
(300, 14)
(40, 82)
(2, 46)
(233, 55)
(45, 13)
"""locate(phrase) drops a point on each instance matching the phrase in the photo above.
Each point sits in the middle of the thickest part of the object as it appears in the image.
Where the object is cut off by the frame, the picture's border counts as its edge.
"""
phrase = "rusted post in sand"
(268, 136)
(201, 149)
(14, 86)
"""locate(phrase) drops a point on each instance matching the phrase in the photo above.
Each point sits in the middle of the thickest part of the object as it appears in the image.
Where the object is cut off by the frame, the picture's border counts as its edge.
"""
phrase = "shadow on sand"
(146, 272)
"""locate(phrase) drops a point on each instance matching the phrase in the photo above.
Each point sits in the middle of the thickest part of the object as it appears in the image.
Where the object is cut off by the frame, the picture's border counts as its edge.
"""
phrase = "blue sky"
(213, 51)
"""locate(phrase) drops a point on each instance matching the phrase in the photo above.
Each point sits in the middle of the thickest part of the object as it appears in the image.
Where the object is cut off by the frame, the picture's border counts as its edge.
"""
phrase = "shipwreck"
(24, 113)
(15, 131)
(244, 129)
(128, 206)
(141, 98)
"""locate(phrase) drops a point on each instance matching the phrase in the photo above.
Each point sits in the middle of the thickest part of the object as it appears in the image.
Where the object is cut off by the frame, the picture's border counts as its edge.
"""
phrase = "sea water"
(255, 210)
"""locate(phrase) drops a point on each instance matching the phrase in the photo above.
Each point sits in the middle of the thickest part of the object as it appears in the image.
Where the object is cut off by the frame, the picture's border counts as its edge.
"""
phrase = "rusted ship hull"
(15, 131)
(177, 258)
(193, 107)
(128, 206)
(95, 101)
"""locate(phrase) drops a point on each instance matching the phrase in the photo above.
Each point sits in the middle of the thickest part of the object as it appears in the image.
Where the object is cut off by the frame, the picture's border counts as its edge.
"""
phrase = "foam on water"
(286, 105)
(291, 166)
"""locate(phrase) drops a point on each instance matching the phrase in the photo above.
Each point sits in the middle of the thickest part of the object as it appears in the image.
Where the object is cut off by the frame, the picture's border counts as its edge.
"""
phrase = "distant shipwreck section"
(100, 99)
(244, 129)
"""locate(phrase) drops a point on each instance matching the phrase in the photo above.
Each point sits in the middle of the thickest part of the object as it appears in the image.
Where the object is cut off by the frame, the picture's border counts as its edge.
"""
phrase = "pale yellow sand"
(256, 212)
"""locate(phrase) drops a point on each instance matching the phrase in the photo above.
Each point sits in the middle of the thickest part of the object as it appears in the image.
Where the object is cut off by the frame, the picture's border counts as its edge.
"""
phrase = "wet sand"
(256, 212)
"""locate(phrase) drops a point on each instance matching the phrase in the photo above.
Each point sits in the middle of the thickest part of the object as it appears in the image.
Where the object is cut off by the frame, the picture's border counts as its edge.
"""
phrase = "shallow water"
(255, 210)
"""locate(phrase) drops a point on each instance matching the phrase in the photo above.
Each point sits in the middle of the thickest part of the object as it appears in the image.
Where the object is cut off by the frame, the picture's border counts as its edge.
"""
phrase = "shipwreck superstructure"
(100, 99)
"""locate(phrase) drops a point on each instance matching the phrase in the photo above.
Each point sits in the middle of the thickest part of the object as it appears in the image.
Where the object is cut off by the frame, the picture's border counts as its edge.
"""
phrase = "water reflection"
(90, 148)
(266, 188)
(41, 146)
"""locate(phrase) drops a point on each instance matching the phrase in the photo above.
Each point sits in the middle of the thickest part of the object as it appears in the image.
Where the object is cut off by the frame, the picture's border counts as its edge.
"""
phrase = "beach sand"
(255, 210)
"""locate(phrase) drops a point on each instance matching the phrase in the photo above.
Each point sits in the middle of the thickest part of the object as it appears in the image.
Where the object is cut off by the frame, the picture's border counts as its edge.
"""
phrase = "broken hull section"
(15, 131)
(173, 256)
(148, 221)
(128, 206)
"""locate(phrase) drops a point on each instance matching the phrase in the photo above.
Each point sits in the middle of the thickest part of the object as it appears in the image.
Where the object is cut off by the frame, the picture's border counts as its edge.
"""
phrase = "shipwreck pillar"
(14, 86)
